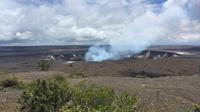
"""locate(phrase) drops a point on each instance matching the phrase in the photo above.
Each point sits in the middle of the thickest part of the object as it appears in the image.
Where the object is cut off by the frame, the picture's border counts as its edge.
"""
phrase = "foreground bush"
(99, 99)
(89, 98)
(196, 108)
(55, 95)
(45, 96)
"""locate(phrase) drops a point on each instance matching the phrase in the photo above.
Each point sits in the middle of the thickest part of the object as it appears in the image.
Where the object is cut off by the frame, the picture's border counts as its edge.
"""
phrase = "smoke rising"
(172, 20)
(135, 37)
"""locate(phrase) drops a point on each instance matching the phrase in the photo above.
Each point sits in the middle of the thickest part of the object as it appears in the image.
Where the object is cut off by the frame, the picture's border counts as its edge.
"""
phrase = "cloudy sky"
(62, 22)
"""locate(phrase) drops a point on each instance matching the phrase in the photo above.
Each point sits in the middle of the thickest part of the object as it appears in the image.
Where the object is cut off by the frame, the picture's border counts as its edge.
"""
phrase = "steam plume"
(165, 22)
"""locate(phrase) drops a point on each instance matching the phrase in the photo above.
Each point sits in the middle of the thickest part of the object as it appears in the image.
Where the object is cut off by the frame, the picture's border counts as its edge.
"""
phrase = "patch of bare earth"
(8, 100)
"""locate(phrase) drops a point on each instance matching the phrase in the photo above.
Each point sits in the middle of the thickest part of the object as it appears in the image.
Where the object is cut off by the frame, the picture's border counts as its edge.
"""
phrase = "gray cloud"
(89, 21)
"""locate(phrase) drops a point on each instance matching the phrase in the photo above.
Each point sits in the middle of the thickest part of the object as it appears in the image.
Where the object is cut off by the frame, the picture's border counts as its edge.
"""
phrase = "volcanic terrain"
(164, 78)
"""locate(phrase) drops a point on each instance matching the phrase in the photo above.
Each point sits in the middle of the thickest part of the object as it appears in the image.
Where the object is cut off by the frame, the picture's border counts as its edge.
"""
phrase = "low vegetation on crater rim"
(55, 95)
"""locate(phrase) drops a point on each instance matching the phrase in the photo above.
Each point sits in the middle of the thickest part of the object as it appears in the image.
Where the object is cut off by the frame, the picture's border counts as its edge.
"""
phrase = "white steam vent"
(138, 35)
(168, 21)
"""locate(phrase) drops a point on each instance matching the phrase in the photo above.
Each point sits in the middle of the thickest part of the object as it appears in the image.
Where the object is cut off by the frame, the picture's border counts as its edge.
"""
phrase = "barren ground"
(164, 85)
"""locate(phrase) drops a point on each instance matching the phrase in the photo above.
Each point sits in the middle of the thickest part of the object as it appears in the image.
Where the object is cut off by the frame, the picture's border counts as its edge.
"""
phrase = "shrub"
(124, 103)
(55, 95)
(2, 73)
(45, 96)
(59, 77)
(99, 99)
(77, 75)
(44, 65)
(11, 81)
(196, 108)
(93, 97)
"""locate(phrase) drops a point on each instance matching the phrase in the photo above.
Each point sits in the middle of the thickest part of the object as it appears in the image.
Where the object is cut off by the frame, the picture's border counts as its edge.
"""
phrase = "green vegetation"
(99, 99)
(196, 108)
(55, 95)
(11, 81)
(91, 98)
(77, 75)
(2, 73)
(44, 65)
(59, 77)
(45, 96)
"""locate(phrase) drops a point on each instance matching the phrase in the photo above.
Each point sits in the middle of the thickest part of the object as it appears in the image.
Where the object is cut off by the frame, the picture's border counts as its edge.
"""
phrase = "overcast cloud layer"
(42, 22)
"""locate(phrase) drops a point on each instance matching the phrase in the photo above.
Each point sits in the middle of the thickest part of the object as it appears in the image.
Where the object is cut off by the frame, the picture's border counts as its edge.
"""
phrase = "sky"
(64, 22)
